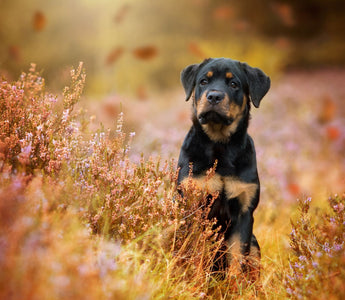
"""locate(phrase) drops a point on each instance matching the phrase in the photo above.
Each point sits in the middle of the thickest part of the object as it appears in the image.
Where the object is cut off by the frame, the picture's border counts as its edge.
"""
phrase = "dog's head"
(221, 89)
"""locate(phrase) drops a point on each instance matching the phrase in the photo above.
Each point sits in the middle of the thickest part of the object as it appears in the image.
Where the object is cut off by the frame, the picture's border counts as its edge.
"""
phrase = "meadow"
(89, 209)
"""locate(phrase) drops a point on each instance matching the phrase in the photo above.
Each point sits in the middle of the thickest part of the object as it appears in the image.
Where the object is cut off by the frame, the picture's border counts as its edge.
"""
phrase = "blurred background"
(136, 46)
(134, 50)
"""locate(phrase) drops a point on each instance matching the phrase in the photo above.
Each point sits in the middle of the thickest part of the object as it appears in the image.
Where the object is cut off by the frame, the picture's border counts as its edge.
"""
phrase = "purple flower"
(338, 247)
(298, 266)
(302, 258)
(26, 149)
(308, 200)
(326, 247)
(318, 254)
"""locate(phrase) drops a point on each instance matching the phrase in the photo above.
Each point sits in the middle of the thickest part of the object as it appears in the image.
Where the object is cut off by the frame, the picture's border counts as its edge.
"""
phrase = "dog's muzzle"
(214, 117)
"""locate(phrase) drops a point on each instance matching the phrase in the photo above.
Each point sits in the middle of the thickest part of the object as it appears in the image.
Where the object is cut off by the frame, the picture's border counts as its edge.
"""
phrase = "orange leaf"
(223, 12)
(327, 111)
(145, 53)
(39, 21)
(333, 133)
(285, 13)
(294, 188)
(283, 43)
(114, 55)
(111, 109)
(121, 13)
(196, 50)
(241, 25)
(14, 52)
(141, 93)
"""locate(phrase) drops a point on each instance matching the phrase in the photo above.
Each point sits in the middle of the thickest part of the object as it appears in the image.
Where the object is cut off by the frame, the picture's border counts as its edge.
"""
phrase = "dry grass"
(79, 219)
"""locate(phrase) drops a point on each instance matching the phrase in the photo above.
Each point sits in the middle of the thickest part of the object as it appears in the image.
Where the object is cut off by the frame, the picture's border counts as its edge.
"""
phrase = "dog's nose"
(214, 97)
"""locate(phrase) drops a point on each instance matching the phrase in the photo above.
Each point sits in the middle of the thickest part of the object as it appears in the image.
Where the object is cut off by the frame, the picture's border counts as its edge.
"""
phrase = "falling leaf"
(195, 49)
(39, 21)
(223, 12)
(111, 110)
(333, 133)
(121, 13)
(283, 43)
(145, 53)
(327, 111)
(241, 25)
(285, 13)
(14, 52)
(111, 106)
(141, 93)
(294, 188)
(114, 55)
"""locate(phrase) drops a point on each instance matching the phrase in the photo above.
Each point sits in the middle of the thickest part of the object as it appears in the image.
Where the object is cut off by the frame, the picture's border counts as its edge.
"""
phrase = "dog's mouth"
(214, 117)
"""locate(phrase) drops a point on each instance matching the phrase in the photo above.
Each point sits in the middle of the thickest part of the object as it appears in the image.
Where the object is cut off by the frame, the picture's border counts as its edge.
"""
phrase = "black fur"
(235, 155)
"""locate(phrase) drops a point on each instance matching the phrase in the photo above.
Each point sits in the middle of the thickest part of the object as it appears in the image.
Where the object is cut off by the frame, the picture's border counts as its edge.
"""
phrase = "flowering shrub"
(34, 132)
(64, 189)
(79, 219)
(318, 262)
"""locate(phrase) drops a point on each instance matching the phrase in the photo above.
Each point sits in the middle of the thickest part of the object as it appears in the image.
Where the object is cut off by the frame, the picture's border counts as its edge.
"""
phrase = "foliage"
(34, 134)
(318, 260)
(79, 219)
(108, 220)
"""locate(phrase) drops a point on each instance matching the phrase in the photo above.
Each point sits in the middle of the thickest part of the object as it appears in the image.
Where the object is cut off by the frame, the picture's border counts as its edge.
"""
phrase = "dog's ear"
(258, 83)
(188, 75)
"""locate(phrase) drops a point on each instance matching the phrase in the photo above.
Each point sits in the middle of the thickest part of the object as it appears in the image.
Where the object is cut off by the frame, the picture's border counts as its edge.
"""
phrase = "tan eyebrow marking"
(209, 74)
(229, 75)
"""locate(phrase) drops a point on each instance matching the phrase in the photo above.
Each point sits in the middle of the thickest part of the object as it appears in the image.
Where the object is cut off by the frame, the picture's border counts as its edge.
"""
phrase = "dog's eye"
(234, 85)
(203, 82)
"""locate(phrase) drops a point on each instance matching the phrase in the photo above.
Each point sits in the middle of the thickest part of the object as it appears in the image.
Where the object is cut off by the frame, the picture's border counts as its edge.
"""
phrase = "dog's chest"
(221, 156)
(230, 186)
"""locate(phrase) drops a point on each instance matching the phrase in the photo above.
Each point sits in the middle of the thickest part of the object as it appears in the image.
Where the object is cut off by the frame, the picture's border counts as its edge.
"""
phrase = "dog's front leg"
(240, 239)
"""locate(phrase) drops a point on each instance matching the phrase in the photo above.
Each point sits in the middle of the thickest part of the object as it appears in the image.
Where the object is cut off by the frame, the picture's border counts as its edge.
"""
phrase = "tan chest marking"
(209, 184)
(243, 190)
(232, 186)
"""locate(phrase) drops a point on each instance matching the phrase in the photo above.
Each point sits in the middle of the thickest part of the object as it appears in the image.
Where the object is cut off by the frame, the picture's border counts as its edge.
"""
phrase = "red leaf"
(294, 188)
(333, 133)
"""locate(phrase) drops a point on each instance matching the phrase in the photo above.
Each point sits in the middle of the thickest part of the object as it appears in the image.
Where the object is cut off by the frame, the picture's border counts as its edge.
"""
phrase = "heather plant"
(137, 204)
(79, 219)
(68, 194)
(317, 266)
(35, 131)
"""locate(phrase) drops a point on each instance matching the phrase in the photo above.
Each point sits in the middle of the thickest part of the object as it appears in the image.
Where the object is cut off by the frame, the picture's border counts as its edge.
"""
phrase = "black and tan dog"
(221, 90)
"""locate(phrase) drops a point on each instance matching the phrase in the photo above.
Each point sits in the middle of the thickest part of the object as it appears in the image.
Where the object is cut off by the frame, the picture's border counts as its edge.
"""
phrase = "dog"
(222, 91)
